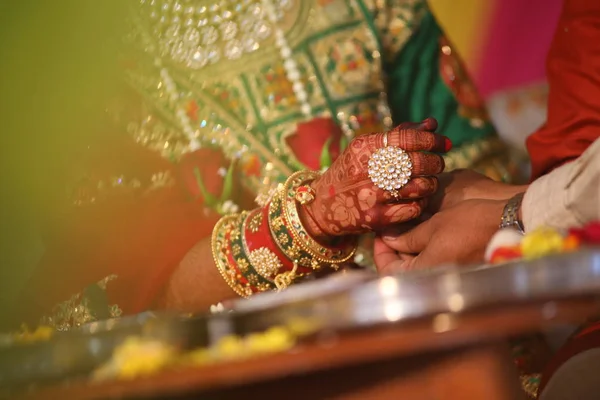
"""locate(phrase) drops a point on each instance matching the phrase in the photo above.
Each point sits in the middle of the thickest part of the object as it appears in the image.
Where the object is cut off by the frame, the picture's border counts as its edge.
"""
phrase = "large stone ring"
(390, 168)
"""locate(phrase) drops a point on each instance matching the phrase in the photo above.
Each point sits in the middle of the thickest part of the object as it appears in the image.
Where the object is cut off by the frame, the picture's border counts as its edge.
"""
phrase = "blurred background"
(504, 45)
(49, 90)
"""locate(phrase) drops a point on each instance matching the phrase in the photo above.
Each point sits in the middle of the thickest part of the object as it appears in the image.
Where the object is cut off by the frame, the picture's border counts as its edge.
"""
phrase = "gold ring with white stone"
(390, 168)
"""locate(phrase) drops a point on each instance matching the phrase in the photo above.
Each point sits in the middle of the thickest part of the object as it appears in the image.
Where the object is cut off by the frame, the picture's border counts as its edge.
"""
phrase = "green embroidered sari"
(232, 85)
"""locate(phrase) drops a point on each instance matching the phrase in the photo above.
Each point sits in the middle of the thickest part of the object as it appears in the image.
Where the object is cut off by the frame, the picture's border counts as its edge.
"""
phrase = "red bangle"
(261, 249)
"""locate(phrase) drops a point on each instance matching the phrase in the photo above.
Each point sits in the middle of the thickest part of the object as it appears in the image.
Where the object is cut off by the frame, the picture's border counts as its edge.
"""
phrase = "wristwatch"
(510, 215)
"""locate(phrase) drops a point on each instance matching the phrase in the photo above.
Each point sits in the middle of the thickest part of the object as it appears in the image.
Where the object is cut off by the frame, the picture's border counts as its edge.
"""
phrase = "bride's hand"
(347, 201)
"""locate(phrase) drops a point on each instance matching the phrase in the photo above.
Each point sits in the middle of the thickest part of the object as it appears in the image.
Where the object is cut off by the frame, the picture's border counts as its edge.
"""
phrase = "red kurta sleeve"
(573, 69)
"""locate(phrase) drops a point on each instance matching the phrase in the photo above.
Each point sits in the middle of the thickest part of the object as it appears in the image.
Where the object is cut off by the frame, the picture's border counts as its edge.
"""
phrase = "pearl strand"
(289, 64)
(184, 121)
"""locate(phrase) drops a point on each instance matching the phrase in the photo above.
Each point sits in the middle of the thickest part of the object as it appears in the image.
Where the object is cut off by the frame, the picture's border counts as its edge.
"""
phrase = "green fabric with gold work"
(416, 89)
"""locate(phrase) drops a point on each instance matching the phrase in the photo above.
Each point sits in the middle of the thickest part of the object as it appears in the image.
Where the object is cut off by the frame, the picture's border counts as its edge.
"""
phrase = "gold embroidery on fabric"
(348, 61)
(396, 21)
(161, 180)
(241, 100)
(273, 91)
(86, 193)
(531, 384)
(221, 112)
(472, 152)
(78, 310)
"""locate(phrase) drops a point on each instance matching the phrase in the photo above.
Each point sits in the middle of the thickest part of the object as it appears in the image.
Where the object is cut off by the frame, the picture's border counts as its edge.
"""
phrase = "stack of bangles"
(268, 248)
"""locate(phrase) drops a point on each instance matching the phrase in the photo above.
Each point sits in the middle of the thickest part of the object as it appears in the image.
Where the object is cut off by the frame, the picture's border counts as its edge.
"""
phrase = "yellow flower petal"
(542, 242)
(230, 346)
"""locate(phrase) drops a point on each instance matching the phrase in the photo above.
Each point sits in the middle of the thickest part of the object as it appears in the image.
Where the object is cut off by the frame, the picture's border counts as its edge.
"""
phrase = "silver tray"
(356, 301)
(453, 289)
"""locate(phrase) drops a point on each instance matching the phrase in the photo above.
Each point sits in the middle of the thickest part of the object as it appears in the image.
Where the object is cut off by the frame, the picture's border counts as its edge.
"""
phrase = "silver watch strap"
(510, 215)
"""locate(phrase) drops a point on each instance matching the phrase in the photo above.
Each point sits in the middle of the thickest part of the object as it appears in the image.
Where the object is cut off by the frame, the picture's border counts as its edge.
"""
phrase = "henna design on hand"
(346, 200)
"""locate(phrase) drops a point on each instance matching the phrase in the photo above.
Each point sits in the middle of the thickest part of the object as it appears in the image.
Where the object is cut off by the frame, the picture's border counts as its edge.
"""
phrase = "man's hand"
(457, 234)
(464, 184)
(463, 216)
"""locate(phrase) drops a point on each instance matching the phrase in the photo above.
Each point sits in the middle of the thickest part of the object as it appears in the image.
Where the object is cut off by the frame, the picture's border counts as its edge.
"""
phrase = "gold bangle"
(282, 236)
(220, 252)
(242, 259)
(322, 254)
(262, 261)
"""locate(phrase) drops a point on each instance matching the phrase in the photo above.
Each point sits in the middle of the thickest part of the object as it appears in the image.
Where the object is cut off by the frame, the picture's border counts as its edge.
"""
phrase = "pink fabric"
(515, 51)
